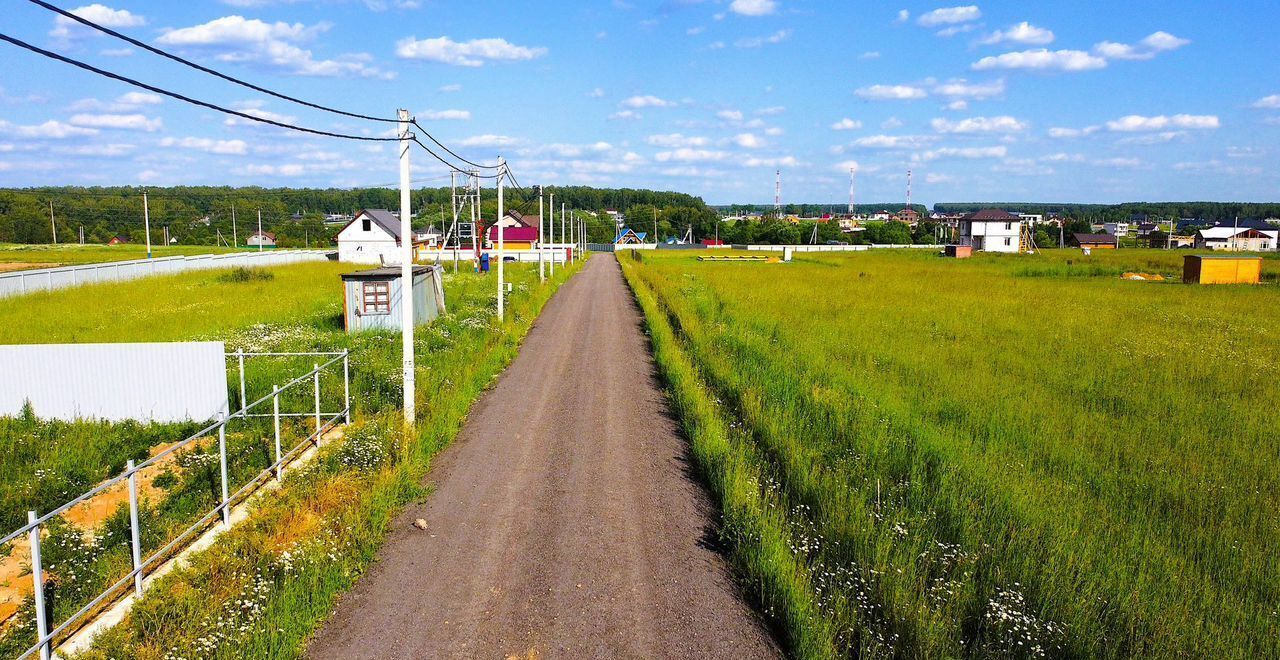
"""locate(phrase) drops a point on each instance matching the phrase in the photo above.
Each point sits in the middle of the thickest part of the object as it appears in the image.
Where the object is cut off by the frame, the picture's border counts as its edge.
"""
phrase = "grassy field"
(22, 256)
(312, 538)
(1000, 457)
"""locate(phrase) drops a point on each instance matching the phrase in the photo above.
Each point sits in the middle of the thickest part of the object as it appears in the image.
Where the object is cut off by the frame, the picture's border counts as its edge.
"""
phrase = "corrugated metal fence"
(47, 279)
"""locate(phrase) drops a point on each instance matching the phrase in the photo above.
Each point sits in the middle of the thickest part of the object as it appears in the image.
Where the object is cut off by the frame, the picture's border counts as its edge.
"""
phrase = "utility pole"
(235, 240)
(260, 235)
(1168, 240)
(655, 225)
(542, 274)
(146, 222)
(406, 273)
(82, 234)
(502, 251)
(551, 229)
(53, 224)
(562, 229)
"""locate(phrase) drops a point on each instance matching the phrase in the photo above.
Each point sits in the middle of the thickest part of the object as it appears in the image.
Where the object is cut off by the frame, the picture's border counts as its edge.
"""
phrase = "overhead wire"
(452, 152)
(187, 99)
(232, 79)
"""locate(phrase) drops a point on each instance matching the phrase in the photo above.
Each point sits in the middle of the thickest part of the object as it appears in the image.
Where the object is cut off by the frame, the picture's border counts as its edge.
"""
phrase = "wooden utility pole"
(52, 224)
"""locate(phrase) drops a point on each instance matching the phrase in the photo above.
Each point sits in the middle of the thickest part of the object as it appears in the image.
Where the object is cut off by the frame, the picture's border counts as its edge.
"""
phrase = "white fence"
(559, 254)
(156, 382)
(48, 279)
(47, 638)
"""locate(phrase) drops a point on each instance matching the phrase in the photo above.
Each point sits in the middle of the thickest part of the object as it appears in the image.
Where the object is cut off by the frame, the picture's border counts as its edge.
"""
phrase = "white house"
(1032, 219)
(372, 237)
(1116, 228)
(1237, 239)
(261, 239)
(991, 230)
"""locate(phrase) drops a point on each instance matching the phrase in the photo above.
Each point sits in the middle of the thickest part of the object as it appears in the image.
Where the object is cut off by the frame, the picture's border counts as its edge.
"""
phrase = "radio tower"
(851, 205)
(908, 188)
(777, 193)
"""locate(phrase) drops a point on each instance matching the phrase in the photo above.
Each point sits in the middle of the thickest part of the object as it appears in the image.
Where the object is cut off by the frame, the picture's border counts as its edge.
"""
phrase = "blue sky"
(1064, 101)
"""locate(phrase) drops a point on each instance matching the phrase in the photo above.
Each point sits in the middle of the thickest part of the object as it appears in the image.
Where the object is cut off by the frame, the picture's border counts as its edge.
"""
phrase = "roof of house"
(520, 233)
(381, 217)
(263, 233)
(386, 272)
(991, 215)
(1223, 233)
(1095, 238)
(1248, 224)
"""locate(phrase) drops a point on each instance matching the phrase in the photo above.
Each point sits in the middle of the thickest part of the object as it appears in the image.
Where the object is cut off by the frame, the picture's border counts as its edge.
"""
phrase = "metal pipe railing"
(323, 422)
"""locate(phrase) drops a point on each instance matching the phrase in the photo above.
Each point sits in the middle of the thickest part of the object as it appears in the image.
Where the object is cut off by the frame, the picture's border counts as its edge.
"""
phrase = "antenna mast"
(851, 205)
(777, 193)
(908, 188)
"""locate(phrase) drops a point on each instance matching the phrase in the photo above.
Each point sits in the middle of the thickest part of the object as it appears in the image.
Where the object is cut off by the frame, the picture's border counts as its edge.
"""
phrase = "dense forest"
(210, 215)
(1206, 213)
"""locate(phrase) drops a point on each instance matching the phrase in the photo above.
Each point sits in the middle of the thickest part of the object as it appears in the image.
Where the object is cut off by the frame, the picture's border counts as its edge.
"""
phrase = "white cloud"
(748, 141)
(488, 140)
(891, 123)
(1118, 162)
(123, 103)
(1148, 48)
(676, 140)
(451, 88)
(647, 101)
(753, 7)
(131, 122)
(1153, 138)
(846, 124)
(771, 111)
(756, 42)
(963, 89)
(1042, 59)
(627, 115)
(730, 115)
(903, 16)
(116, 52)
(1002, 124)
(445, 115)
(257, 112)
(958, 105)
(222, 147)
(893, 142)
(64, 27)
(774, 131)
(968, 153)
(690, 155)
(950, 15)
(934, 178)
(891, 93)
(957, 29)
(287, 170)
(596, 93)
(272, 45)
(1159, 123)
(1268, 103)
(1073, 132)
(1022, 33)
(52, 129)
(870, 55)
(784, 161)
(98, 150)
(858, 168)
(1063, 158)
(472, 53)
(695, 31)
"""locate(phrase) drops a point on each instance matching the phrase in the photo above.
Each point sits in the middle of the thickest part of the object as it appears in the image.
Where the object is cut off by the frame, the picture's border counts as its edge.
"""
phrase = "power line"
(180, 97)
(451, 152)
(448, 164)
(212, 72)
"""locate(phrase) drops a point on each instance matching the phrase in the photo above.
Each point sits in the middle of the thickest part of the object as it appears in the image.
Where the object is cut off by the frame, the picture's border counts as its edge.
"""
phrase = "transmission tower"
(777, 193)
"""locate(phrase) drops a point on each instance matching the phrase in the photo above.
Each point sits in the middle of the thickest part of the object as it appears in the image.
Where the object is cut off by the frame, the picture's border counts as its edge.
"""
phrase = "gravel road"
(565, 522)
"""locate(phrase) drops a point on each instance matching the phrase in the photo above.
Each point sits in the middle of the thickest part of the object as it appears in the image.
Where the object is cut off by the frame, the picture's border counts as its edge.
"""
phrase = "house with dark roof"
(991, 230)
(261, 239)
(1096, 241)
(119, 239)
(372, 237)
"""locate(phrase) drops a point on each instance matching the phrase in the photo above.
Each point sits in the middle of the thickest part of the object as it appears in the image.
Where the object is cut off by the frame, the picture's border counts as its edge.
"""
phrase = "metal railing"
(323, 422)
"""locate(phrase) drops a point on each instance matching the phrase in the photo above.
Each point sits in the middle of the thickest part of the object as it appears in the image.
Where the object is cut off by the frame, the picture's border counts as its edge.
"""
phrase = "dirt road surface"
(565, 522)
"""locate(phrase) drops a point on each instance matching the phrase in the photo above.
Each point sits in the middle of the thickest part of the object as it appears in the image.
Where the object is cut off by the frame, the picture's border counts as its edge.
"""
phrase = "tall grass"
(70, 255)
(457, 355)
(977, 463)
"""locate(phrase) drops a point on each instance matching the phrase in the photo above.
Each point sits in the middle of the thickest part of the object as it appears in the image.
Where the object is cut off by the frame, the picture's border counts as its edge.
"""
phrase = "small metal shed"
(1214, 269)
(372, 298)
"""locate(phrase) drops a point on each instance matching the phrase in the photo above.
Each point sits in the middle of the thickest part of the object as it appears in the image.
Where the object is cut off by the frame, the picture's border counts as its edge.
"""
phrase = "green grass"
(175, 307)
(996, 457)
(358, 482)
(69, 255)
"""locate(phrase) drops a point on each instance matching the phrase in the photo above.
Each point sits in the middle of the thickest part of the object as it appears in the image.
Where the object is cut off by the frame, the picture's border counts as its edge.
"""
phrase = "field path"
(565, 520)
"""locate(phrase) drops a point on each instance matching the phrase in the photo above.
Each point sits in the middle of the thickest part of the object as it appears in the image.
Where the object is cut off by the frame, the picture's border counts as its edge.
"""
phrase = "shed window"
(1008, 241)
(377, 298)
(366, 225)
(1008, 226)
